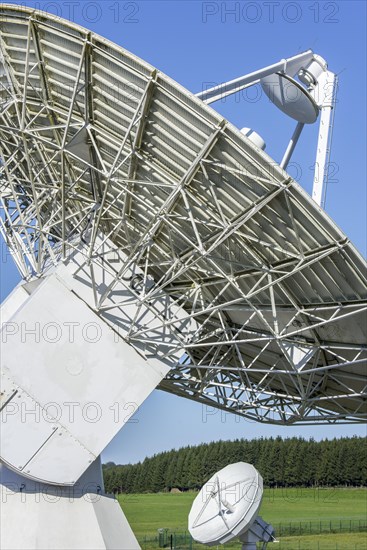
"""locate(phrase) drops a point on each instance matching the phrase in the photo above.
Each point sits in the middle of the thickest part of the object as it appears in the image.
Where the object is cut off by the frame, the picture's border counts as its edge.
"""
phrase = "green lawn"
(148, 512)
(340, 541)
(313, 504)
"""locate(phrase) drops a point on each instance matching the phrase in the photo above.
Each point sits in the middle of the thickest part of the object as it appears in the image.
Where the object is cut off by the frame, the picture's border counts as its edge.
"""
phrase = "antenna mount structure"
(300, 103)
(159, 246)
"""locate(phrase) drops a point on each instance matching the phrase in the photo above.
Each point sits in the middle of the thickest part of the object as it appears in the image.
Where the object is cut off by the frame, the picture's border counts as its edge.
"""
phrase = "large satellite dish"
(227, 508)
(158, 246)
(98, 146)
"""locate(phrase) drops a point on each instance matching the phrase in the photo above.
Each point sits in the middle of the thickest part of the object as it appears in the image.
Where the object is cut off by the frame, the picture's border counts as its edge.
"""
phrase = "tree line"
(291, 462)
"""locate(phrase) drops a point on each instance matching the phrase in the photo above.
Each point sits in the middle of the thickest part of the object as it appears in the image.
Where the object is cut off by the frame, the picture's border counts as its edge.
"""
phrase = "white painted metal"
(133, 209)
(291, 66)
(259, 531)
(295, 101)
(291, 145)
(97, 144)
(90, 282)
(290, 97)
(325, 92)
(254, 137)
(45, 517)
(310, 74)
(73, 383)
(227, 507)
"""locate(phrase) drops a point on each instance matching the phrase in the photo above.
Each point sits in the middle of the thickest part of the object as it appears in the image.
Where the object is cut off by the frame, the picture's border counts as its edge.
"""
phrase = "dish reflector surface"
(94, 141)
(290, 97)
(227, 505)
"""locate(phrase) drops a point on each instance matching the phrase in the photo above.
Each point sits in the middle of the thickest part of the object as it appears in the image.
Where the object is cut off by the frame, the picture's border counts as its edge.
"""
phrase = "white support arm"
(326, 91)
(291, 66)
(291, 145)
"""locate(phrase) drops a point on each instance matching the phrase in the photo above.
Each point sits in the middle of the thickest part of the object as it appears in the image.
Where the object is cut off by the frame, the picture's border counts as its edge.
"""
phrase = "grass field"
(148, 512)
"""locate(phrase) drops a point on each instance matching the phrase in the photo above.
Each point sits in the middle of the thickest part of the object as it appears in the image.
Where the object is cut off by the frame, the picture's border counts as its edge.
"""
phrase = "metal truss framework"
(96, 142)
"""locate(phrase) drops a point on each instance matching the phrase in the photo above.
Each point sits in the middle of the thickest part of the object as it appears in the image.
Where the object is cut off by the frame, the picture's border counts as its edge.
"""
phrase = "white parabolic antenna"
(227, 507)
(159, 246)
(175, 229)
(290, 97)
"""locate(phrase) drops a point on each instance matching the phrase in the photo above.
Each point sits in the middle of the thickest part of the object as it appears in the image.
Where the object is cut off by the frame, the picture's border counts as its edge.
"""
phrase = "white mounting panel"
(76, 389)
(165, 324)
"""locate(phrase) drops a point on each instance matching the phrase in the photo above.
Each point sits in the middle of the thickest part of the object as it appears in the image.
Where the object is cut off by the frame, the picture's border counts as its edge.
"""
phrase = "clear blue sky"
(196, 42)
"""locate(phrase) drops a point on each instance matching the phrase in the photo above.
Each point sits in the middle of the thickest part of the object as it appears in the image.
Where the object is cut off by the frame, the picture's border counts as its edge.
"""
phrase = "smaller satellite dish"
(290, 97)
(227, 505)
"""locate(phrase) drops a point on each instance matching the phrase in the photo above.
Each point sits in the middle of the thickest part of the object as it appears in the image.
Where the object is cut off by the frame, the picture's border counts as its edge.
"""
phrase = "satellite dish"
(290, 97)
(186, 239)
(200, 265)
(227, 508)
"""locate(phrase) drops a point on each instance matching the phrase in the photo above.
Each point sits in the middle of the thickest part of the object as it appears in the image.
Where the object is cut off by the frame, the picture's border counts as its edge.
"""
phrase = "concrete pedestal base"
(36, 516)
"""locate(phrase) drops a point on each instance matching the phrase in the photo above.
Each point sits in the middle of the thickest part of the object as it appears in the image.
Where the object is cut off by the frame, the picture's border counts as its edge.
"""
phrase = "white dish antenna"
(227, 508)
(302, 100)
(290, 97)
(176, 231)
(196, 261)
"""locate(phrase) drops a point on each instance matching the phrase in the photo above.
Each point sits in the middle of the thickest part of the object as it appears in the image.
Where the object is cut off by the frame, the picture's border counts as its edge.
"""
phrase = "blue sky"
(197, 42)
